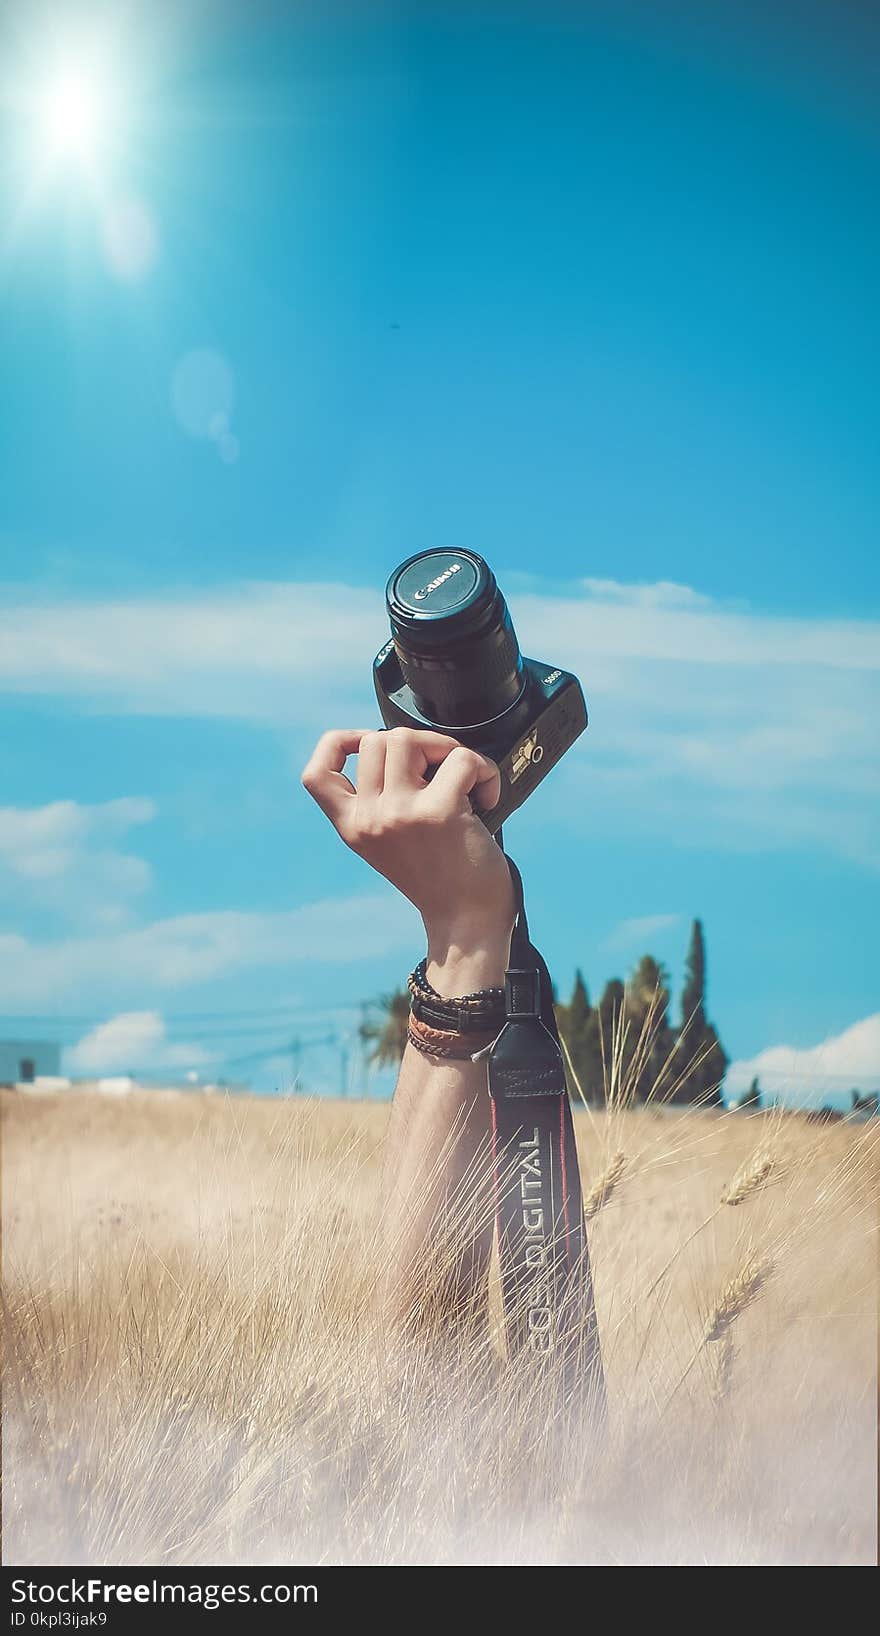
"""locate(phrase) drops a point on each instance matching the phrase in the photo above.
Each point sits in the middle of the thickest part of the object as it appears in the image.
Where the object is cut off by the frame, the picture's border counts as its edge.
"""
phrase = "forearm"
(438, 1208)
(439, 1211)
(414, 817)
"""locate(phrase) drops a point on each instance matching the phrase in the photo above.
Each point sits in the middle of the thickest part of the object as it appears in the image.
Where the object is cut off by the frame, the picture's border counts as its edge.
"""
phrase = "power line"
(60, 1018)
(293, 1048)
(183, 1037)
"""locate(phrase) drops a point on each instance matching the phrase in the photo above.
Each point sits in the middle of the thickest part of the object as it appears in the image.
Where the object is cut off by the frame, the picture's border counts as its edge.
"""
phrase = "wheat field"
(196, 1369)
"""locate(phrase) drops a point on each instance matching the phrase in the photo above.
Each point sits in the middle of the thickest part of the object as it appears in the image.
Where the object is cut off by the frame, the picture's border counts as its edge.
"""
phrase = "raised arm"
(423, 835)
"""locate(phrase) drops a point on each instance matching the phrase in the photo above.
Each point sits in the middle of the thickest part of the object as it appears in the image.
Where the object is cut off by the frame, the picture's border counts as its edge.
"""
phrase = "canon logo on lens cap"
(454, 568)
(436, 586)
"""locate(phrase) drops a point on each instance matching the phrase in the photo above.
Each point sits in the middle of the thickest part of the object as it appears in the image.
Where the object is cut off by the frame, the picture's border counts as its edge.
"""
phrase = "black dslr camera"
(453, 664)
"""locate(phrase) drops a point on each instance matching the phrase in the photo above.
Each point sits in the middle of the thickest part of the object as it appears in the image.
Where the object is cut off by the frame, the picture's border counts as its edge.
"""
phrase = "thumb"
(464, 773)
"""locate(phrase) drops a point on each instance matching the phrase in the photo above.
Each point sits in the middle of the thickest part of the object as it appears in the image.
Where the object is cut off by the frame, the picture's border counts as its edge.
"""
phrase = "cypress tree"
(579, 1007)
(701, 1060)
(608, 1014)
(579, 1029)
(649, 985)
(649, 1036)
(752, 1098)
(693, 999)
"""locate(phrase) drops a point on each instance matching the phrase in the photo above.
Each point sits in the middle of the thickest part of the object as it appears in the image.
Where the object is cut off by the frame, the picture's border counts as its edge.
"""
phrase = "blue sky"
(589, 289)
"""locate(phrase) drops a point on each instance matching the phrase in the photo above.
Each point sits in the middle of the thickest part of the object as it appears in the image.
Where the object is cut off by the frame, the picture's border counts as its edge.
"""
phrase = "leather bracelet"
(438, 1042)
(436, 1050)
(465, 1014)
(456, 1020)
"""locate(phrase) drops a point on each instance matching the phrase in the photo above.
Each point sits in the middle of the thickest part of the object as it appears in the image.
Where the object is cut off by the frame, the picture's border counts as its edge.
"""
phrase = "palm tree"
(384, 1034)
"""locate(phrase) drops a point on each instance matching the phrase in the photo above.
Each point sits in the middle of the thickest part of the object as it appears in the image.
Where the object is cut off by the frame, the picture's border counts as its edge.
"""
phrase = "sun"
(61, 109)
(74, 118)
(73, 115)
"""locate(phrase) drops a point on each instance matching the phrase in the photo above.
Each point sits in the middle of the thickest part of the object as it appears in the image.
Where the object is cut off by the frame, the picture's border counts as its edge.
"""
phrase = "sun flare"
(69, 113)
(62, 112)
(73, 113)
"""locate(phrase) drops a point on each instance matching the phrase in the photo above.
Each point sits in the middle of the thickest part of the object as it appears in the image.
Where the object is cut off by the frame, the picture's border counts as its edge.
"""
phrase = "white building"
(23, 1061)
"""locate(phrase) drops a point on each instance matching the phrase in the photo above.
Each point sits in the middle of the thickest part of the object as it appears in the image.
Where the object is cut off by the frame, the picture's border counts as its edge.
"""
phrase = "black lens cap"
(440, 595)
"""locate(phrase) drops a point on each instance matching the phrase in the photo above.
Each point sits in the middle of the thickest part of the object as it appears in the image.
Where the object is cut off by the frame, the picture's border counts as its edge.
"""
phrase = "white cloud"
(728, 730)
(811, 1076)
(709, 725)
(654, 623)
(640, 929)
(173, 953)
(60, 856)
(663, 593)
(41, 842)
(131, 1040)
(224, 653)
(254, 652)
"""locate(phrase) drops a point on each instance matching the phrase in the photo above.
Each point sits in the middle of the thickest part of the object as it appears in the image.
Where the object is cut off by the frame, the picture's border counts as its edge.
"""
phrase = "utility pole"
(343, 1066)
(365, 1069)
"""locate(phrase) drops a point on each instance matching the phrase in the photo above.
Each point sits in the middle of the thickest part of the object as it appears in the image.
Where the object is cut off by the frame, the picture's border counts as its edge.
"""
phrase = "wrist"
(467, 955)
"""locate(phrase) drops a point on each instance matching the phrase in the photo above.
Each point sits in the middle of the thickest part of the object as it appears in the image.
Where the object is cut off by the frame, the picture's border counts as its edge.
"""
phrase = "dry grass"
(196, 1369)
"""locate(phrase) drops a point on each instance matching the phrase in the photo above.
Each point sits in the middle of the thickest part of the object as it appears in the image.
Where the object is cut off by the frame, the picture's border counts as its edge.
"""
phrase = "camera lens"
(454, 638)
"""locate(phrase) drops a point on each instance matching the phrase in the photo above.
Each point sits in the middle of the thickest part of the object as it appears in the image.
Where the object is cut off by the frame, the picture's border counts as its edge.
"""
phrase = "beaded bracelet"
(466, 1014)
(419, 979)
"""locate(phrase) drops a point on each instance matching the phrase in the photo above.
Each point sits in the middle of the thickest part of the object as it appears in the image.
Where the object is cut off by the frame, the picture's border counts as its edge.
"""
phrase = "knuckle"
(432, 818)
(370, 827)
(394, 817)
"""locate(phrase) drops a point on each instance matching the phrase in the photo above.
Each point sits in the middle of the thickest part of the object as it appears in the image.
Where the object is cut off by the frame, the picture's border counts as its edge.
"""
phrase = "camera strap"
(546, 1281)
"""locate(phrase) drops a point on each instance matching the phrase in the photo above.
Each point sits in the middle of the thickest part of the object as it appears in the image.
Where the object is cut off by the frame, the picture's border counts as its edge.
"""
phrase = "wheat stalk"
(604, 1186)
(738, 1294)
(750, 1178)
(723, 1354)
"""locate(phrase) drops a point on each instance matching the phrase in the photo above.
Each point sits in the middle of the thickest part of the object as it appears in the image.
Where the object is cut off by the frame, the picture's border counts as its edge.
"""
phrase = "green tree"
(579, 1008)
(700, 1059)
(631, 1040)
(649, 984)
(383, 1034)
(650, 1040)
(609, 1026)
(693, 998)
(578, 1025)
(752, 1099)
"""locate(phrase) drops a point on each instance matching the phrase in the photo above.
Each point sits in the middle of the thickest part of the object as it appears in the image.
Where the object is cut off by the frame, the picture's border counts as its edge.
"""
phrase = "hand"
(426, 839)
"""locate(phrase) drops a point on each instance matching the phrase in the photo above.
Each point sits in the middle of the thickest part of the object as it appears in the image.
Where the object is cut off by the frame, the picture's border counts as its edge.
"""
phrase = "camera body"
(453, 665)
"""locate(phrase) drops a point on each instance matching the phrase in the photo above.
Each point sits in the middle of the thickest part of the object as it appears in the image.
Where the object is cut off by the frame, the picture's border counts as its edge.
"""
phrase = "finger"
(371, 765)
(465, 773)
(323, 777)
(410, 752)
